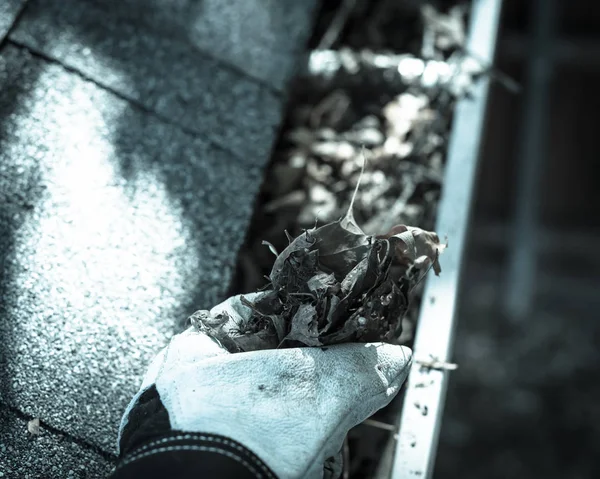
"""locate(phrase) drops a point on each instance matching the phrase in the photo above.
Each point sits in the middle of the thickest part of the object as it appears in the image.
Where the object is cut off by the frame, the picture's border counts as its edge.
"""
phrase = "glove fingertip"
(393, 363)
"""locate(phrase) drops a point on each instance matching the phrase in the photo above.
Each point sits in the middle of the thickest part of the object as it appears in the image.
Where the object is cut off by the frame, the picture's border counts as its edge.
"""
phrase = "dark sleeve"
(151, 450)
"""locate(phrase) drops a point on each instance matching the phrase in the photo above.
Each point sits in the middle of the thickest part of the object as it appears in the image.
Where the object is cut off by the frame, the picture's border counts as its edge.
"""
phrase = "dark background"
(525, 401)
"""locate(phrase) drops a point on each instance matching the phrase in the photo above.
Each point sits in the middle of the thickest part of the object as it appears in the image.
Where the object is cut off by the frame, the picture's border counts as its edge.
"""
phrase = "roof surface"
(132, 145)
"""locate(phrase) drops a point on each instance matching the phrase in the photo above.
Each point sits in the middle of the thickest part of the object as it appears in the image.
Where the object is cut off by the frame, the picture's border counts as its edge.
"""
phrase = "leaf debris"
(332, 284)
(33, 427)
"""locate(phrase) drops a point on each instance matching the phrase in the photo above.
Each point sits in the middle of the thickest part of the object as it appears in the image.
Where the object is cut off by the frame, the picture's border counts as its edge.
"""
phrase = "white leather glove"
(291, 407)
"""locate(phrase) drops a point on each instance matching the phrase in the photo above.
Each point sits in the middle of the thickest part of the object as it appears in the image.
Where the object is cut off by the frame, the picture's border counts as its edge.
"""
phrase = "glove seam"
(257, 462)
(201, 449)
(201, 437)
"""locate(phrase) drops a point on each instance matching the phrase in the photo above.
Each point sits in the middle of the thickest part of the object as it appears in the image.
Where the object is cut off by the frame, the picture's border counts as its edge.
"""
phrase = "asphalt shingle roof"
(132, 146)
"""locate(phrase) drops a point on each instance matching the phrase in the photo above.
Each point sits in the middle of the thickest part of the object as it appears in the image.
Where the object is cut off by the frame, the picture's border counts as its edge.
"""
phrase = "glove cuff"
(191, 455)
(149, 448)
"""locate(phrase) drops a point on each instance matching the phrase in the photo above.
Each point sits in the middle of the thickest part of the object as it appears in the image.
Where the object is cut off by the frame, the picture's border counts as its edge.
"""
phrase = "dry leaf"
(332, 284)
(33, 427)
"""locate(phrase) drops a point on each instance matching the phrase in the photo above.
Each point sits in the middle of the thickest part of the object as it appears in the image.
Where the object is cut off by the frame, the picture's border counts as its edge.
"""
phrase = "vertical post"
(522, 266)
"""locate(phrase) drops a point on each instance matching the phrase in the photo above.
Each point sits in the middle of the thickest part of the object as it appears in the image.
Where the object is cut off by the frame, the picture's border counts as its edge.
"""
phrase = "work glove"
(291, 407)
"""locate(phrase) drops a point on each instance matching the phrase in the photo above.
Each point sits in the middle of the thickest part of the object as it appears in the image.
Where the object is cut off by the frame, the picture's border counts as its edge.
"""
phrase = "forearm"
(150, 449)
(189, 455)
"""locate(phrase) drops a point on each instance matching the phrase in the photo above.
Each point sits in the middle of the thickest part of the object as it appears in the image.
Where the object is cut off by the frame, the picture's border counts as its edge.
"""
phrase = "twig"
(504, 79)
(336, 103)
(346, 459)
(292, 199)
(436, 364)
(380, 425)
(271, 247)
(252, 306)
(422, 277)
(337, 25)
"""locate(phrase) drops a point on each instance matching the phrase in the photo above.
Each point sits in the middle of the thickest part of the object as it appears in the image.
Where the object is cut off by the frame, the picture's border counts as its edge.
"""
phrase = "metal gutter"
(420, 421)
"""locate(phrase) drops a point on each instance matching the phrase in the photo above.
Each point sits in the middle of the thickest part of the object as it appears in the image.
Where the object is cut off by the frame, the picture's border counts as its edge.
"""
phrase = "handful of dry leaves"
(333, 284)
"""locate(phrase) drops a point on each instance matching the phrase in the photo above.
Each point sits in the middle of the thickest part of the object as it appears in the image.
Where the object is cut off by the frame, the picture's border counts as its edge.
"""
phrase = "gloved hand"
(291, 407)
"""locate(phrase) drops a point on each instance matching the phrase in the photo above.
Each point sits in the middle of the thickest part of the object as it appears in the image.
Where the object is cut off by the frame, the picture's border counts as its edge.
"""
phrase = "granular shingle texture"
(153, 53)
(129, 163)
(115, 226)
(48, 455)
(257, 37)
(9, 10)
